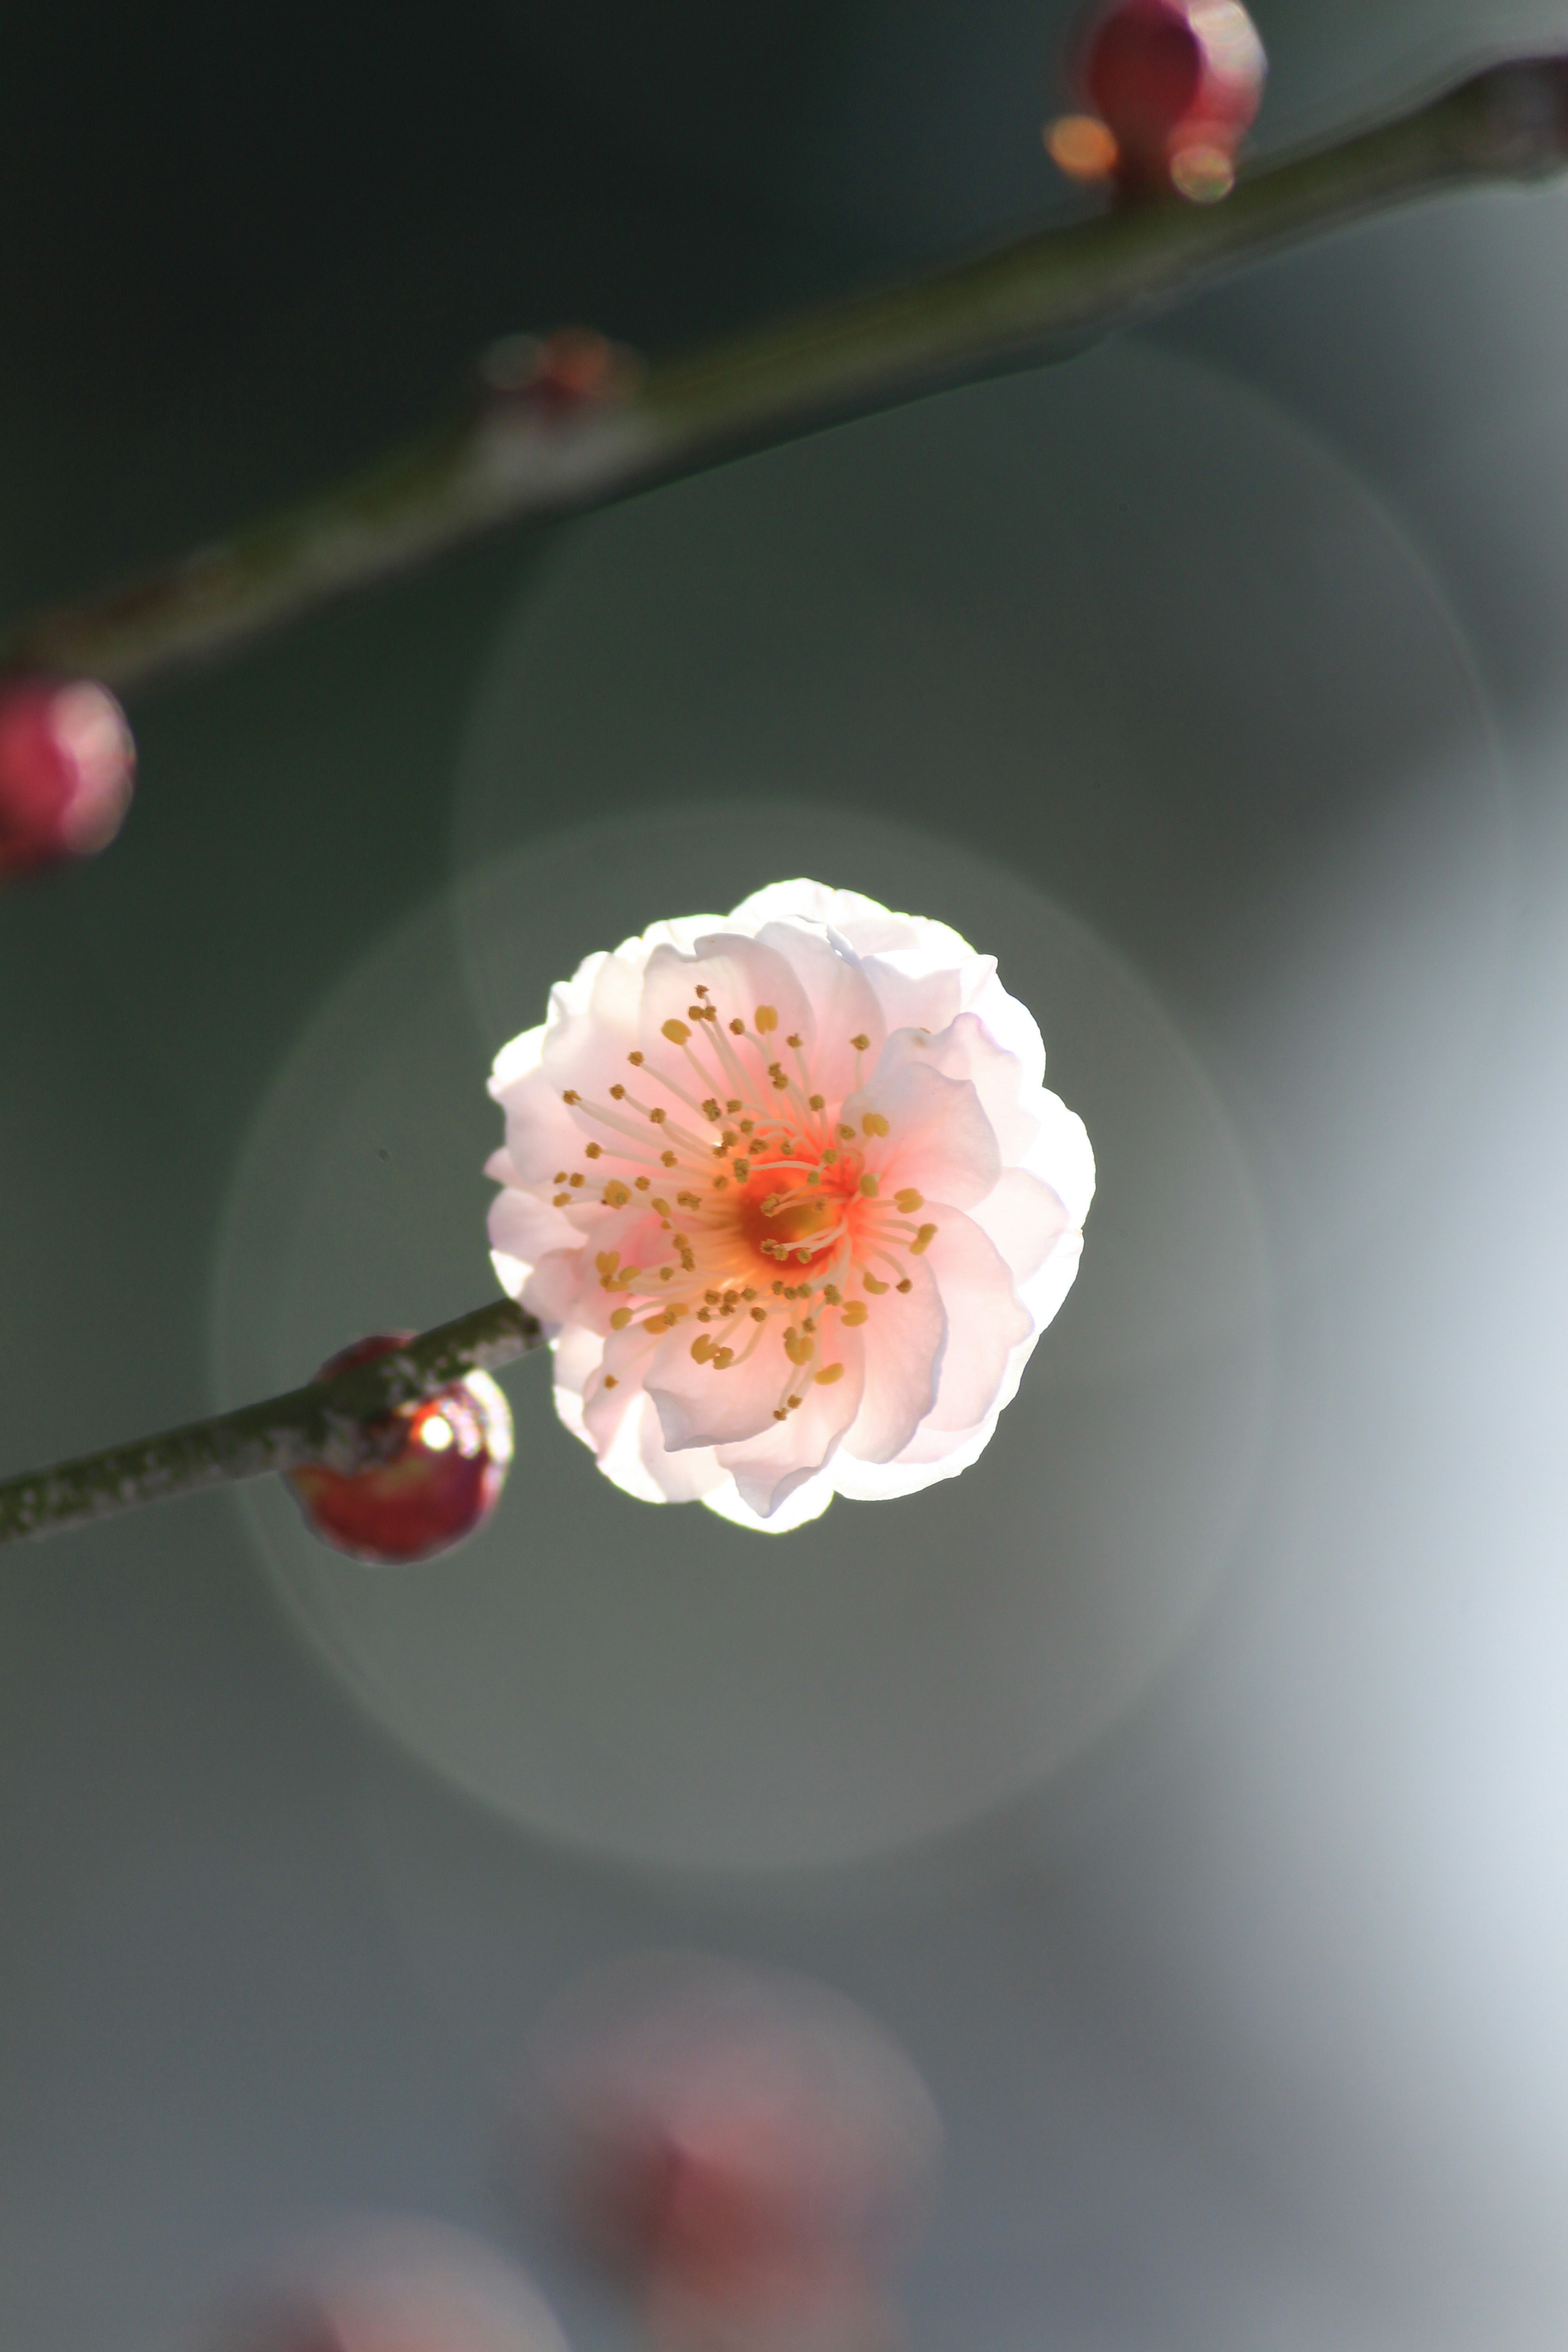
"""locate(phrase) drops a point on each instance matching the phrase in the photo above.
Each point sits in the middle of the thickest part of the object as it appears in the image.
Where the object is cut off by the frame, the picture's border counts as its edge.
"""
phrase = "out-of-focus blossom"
(67, 766)
(1175, 85)
(390, 2287)
(443, 1480)
(789, 1190)
(750, 2157)
(563, 375)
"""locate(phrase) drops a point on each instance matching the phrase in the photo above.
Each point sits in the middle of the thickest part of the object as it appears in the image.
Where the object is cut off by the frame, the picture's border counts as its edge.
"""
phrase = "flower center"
(789, 1212)
(761, 1211)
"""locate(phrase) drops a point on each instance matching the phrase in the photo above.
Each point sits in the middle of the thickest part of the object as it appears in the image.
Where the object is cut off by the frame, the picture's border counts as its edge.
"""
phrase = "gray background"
(1242, 644)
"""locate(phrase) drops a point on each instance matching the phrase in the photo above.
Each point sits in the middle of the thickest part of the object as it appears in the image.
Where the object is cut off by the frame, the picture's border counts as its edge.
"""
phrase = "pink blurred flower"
(790, 1191)
(751, 2157)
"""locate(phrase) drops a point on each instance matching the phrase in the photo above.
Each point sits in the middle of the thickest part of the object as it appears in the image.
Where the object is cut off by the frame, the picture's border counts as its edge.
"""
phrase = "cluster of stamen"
(770, 1227)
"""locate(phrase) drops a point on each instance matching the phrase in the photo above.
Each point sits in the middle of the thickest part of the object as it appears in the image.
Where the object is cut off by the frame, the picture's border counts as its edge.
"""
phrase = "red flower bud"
(67, 762)
(442, 1482)
(1175, 86)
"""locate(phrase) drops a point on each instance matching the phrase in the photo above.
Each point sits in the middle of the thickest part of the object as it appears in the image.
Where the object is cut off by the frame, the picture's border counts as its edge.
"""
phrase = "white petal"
(1023, 1218)
(940, 1141)
(808, 1502)
(904, 1341)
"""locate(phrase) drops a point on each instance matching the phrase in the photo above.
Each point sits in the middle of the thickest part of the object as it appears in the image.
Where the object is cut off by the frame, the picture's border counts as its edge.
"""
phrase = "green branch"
(513, 458)
(341, 1421)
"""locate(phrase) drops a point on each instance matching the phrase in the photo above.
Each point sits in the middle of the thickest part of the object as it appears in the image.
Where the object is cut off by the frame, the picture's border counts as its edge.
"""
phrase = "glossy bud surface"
(442, 1482)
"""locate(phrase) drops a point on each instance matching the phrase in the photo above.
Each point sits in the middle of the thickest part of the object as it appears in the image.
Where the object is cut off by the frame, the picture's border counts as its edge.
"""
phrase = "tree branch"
(516, 459)
(340, 1422)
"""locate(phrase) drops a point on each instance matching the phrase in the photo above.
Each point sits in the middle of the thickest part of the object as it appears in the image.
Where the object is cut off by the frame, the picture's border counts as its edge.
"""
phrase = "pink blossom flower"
(788, 1190)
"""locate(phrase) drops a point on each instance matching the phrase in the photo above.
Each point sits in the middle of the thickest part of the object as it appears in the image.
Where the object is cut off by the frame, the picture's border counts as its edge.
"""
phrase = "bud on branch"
(580, 425)
(341, 1423)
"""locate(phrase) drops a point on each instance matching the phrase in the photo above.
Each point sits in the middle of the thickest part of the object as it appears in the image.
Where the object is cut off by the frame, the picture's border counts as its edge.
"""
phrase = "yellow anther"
(831, 1294)
(669, 1160)
(570, 1096)
(732, 1108)
(862, 1044)
(617, 1194)
(617, 1092)
(694, 1013)
(611, 1381)
(766, 1018)
(759, 1314)
(873, 1285)
(620, 1319)
(577, 1177)
(923, 1240)
(676, 1030)
(711, 1110)
(874, 1123)
(845, 1134)
(737, 1028)
(827, 1375)
(797, 1041)
(641, 1184)
(560, 1176)
(593, 1151)
(780, 1415)
(798, 1347)
(722, 1359)
(607, 1261)
(562, 1200)
(830, 1159)
(780, 1083)
(818, 1102)
(794, 1403)
(635, 1060)
(743, 1170)
(868, 1185)
(909, 1200)
(906, 1284)
(665, 1273)
(662, 1206)
(658, 1116)
(856, 1312)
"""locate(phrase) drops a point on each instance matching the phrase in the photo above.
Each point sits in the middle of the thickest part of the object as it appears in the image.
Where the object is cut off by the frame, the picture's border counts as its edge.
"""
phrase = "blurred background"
(1186, 1790)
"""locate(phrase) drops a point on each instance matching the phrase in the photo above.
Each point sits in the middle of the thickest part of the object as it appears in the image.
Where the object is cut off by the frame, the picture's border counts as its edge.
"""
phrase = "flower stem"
(512, 458)
(340, 1422)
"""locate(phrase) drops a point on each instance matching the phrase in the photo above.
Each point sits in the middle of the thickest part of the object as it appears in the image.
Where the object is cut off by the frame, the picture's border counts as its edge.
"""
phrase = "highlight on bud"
(388, 2286)
(440, 1480)
(751, 2158)
(1174, 87)
(789, 1193)
(67, 763)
